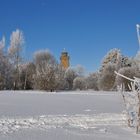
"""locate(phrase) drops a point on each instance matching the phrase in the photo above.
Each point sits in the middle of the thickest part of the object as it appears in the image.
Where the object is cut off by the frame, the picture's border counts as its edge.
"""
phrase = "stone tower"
(65, 59)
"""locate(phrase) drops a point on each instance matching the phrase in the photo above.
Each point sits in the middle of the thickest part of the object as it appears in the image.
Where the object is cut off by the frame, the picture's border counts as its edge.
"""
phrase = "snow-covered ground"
(88, 115)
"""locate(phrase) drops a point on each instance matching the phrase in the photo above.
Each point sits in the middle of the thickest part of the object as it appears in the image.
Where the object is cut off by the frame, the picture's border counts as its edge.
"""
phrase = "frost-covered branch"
(132, 102)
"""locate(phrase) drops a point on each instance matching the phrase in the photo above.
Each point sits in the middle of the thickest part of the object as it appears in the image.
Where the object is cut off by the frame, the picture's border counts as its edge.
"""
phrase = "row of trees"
(105, 78)
(10, 60)
(45, 73)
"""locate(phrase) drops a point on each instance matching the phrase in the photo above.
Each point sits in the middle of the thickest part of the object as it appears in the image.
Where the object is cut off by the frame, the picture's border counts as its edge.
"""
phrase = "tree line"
(45, 73)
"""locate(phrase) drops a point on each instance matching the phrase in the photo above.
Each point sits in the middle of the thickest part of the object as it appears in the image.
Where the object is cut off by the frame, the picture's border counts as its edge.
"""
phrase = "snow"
(86, 115)
(82, 122)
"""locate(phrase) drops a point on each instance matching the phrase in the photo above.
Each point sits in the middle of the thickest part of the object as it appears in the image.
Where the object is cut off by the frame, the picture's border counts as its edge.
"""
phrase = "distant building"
(65, 59)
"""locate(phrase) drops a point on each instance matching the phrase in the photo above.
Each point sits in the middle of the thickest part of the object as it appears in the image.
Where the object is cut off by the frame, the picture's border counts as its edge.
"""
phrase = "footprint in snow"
(87, 110)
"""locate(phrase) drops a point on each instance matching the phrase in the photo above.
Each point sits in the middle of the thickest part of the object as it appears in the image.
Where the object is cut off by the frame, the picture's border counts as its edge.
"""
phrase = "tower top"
(64, 49)
(64, 59)
(64, 52)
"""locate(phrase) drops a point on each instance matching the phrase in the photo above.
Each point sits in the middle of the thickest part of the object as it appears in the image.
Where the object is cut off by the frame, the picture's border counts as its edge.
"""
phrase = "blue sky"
(88, 29)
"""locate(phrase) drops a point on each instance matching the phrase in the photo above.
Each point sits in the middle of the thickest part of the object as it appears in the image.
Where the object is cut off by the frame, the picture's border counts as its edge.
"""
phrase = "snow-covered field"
(88, 115)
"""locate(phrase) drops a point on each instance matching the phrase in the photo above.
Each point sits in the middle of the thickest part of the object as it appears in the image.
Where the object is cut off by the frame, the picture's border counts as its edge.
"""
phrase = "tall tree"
(15, 54)
(2, 44)
(5, 67)
(45, 70)
(106, 80)
(112, 57)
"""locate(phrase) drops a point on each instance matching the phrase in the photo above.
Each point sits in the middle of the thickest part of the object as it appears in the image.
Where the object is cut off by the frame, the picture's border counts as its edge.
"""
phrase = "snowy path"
(80, 122)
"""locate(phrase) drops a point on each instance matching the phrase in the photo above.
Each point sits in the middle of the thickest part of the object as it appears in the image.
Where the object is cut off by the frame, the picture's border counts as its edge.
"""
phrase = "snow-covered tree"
(112, 57)
(2, 44)
(80, 70)
(114, 60)
(70, 75)
(126, 62)
(16, 46)
(61, 82)
(107, 77)
(29, 75)
(45, 70)
(92, 81)
(5, 67)
(26, 72)
(79, 83)
(15, 53)
(136, 59)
